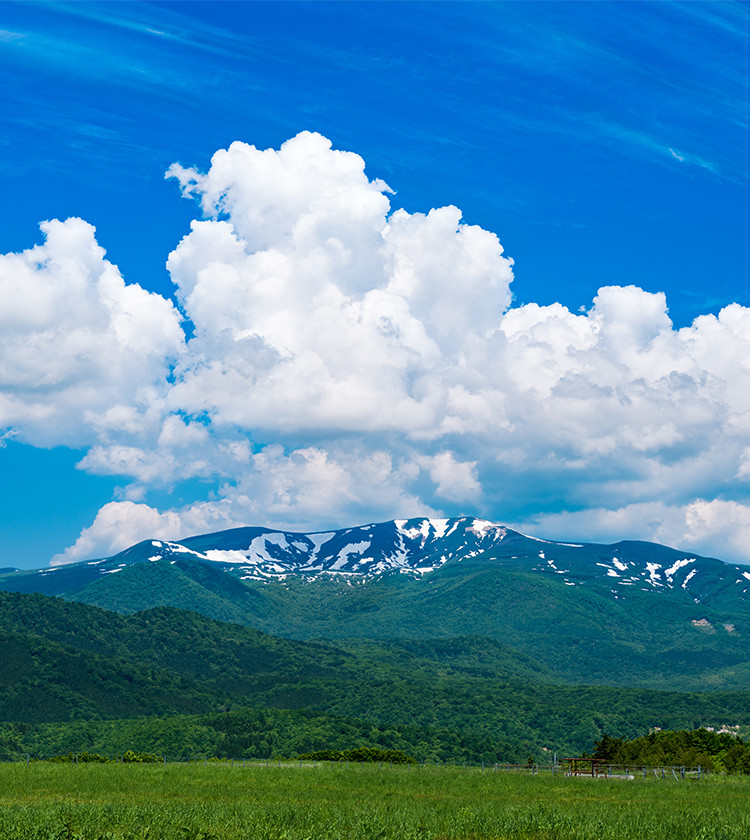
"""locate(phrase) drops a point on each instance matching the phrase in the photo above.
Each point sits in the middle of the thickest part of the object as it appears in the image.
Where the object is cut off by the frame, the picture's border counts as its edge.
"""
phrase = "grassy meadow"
(362, 802)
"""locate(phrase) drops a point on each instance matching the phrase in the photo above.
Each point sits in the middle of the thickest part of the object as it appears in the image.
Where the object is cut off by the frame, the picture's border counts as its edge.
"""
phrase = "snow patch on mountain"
(653, 572)
(689, 578)
(227, 556)
(680, 564)
(481, 527)
(618, 564)
(354, 550)
(536, 539)
(421, 547)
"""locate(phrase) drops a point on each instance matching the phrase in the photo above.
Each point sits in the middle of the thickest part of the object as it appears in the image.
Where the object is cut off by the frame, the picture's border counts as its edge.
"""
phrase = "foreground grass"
(89, 802)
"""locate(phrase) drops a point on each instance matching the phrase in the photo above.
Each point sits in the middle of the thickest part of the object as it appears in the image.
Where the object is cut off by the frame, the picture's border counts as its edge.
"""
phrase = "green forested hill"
(42, 680)
(573, 633)
(69, 661)
(253, 733)
(626, 614)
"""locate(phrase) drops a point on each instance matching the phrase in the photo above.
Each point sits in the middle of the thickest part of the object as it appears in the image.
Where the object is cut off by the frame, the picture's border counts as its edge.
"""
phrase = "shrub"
(83, 757)
(131, 757)
(364, 754)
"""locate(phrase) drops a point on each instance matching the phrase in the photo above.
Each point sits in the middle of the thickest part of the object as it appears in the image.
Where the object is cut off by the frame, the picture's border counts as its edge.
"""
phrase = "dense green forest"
(77, 677)
(722, 752)
(665, 636)
(251, 733)
(565, 633)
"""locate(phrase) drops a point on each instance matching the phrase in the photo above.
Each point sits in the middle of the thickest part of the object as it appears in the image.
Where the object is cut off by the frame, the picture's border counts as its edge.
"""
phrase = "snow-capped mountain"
(414, 547)
(631, 612)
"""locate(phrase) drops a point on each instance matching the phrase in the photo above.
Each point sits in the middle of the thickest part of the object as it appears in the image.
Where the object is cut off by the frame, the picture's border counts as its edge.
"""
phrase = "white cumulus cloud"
(316, 309)
(714, 528)
(349, 361)
(80, 351)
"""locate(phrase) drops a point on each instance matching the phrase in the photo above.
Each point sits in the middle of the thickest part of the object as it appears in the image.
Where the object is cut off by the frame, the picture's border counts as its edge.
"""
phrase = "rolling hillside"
(70, 662)
(626, 614)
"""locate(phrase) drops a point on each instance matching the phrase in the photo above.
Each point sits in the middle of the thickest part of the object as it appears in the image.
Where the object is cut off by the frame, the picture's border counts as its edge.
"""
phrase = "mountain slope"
(623, 614)
(42, 680)
(71, 661)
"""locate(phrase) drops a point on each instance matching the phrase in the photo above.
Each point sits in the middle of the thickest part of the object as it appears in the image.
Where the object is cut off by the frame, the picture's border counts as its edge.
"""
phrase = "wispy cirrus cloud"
(624, 95)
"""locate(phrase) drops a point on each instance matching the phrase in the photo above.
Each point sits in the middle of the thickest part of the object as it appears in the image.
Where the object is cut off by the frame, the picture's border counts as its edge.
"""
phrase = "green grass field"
(359, 803)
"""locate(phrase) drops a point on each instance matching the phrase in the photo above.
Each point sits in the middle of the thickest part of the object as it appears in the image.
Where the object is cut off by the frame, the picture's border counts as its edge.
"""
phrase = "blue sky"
(605, 144)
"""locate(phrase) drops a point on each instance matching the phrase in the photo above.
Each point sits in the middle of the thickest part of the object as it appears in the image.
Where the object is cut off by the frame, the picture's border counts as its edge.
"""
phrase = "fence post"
(27, 759)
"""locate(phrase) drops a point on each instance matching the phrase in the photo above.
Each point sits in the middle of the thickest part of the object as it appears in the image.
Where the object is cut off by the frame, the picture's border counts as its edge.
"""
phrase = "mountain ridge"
(629, 613)
(415, 547)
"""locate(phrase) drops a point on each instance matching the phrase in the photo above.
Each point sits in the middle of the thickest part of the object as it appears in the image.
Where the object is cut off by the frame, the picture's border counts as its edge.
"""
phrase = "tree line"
(722, 752)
